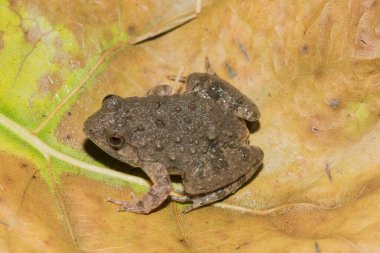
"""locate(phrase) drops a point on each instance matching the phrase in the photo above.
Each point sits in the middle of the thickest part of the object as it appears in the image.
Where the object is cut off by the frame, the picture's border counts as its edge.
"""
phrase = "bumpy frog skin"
(200, 135)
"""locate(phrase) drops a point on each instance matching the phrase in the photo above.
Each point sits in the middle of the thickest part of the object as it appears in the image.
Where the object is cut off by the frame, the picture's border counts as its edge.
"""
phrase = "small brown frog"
(200, 135)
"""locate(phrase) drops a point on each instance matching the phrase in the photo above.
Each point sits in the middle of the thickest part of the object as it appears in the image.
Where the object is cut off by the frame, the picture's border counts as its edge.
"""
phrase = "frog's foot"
(206, 199)
(156, 195)
(147, 203)
(132, 206)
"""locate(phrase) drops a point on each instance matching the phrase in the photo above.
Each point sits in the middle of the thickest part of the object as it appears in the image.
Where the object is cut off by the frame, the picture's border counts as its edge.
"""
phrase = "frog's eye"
(214, 91)
(116, 141)
(107, 97)
(111, 102)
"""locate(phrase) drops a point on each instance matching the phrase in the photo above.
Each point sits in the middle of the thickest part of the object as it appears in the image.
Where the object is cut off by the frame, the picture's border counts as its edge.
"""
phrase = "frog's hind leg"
(156, 195)
(213, 196)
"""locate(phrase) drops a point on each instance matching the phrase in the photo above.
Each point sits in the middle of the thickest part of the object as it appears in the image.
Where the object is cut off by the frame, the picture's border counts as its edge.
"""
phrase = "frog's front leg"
(156, 195)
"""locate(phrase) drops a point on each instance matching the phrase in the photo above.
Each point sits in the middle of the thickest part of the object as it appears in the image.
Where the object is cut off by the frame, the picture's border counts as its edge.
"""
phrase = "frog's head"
(105, 127)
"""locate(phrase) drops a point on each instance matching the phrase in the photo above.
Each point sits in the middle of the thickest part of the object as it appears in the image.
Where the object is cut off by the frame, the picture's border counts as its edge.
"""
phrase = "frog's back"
(179, 130)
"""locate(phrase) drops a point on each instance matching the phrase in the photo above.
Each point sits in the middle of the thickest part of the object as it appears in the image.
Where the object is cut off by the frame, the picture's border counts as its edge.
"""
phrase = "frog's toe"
(114, 201)
(125, 206)
(188, 209)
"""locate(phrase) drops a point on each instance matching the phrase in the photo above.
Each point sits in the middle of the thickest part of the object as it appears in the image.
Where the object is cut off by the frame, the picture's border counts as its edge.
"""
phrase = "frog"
(199, 134)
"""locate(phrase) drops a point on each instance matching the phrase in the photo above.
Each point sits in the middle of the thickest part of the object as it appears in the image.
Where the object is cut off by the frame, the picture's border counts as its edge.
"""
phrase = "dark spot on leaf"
(245, 51)
(334, 103)
(328, 171)
(304, 49)
(24, 165)
(241, 245)
(315, 129)
(317, 249)
(68, 137)
(319, 73)
(13, 3)
(230, 71)
(131, 29)
(69, 113)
